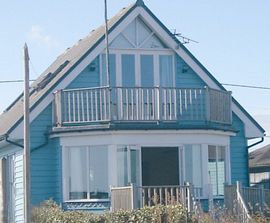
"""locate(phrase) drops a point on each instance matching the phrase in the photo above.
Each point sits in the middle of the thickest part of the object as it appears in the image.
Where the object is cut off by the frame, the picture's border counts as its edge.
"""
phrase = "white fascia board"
(251, 130)
(147, 138)
(17, 133)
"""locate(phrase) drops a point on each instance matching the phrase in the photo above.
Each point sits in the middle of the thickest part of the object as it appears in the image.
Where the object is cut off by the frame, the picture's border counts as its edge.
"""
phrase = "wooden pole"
(107, 44)
(26, 157)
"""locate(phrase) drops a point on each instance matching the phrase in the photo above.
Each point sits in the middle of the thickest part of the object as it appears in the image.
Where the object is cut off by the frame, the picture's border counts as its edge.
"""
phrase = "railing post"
(58, 107)
(230, 106)
(262, 201)
(132, 196)
(188, 197)
(210, 198)
(158, 95)
(110, 104)
(207, 103)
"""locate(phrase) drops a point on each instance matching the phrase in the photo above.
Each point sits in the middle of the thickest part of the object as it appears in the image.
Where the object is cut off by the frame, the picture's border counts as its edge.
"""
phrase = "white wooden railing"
(236, 203)
(103, 104)
(131, 197)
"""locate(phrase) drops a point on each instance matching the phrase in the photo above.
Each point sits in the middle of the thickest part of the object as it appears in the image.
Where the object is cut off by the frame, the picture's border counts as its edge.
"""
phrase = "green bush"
(50, 212)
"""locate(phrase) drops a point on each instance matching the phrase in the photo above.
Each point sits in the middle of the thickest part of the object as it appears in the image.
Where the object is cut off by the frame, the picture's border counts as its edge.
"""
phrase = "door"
(160, 166)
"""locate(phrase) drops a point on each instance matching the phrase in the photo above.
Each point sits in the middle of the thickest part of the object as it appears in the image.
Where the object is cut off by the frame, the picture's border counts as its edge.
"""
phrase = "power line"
(13, 81)
(247, 86)
(226, 84)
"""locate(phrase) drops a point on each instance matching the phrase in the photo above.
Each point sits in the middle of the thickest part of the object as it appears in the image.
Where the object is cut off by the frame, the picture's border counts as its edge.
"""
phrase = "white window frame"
(137, 53)
(227, 166)
(65, 173)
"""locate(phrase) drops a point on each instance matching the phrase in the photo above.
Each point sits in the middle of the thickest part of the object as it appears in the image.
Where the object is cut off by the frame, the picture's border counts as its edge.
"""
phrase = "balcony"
(88, 106)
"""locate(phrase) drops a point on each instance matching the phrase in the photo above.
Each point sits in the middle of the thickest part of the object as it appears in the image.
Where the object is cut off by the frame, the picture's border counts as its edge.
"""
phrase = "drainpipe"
(248, 147)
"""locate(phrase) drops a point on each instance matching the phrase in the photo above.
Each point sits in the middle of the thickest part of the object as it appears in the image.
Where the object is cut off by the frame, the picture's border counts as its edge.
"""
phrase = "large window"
(193, 165)
(128, 165)
(86, 173)
(216, 168)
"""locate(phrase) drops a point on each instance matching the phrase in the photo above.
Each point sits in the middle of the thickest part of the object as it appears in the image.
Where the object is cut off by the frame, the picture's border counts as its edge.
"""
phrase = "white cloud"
(37, 34)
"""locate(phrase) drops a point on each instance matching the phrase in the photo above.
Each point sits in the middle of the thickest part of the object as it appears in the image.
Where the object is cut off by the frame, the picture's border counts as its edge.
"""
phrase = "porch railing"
(91, 105)
(237, 201)
(128, 198)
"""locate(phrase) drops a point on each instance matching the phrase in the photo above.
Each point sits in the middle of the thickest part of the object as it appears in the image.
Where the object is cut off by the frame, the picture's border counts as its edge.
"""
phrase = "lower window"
(86, 173)
(216, 168)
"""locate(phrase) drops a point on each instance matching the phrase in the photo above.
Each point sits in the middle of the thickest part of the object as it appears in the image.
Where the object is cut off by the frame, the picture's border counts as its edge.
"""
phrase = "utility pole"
(26, 154)
(107, 43)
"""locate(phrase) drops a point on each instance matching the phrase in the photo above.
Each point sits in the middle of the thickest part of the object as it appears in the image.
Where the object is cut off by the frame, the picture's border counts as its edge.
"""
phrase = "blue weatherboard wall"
(186, 77)
(45, 168)
(89, 77)
(239, 153)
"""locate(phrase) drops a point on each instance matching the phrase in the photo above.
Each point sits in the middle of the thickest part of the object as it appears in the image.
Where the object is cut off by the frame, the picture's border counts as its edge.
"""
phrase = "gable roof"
(72, 57)
(260, 157)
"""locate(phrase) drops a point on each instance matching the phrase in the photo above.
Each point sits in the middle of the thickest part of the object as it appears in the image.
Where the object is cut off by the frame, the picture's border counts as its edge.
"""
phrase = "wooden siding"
(18, 188)
(239, 153)
(185, 76)
(89, 77)
(45, 161)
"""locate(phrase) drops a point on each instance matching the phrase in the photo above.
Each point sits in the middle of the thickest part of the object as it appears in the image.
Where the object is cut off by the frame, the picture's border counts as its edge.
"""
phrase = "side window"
(216, 168)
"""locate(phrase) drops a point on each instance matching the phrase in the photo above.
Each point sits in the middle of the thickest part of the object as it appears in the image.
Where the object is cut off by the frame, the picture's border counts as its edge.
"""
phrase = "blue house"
(159, 119)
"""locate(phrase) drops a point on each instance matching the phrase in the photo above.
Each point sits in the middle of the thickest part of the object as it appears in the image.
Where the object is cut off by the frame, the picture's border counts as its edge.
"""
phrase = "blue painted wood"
(45, 161)
(185, 76)
(239, 153)
(112, 70)
(128, 70)
(89, 77)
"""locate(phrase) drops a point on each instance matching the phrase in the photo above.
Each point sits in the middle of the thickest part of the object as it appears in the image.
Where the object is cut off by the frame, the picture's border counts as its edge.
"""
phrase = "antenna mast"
(107, 44)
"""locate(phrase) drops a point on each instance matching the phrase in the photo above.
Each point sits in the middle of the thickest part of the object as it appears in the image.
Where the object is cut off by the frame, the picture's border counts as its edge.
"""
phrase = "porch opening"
(160, 166)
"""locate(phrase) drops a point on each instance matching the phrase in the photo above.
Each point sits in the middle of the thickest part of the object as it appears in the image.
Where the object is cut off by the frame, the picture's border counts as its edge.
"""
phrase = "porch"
(101, 105)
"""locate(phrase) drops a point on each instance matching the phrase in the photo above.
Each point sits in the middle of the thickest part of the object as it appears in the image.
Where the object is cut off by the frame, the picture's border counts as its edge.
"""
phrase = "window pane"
(77, 173)
(166, 70)
(135, 166)
(193, 165)
(216, 168)
(147, 71)
(122, 166)
(128, 70)
(98, 173)
(221, 170)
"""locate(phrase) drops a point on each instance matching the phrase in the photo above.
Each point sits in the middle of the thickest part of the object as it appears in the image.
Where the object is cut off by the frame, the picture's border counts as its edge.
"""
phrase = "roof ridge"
(140, 3)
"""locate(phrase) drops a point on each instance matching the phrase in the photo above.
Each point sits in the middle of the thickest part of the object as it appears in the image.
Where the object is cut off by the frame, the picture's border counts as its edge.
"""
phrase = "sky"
(233, 40)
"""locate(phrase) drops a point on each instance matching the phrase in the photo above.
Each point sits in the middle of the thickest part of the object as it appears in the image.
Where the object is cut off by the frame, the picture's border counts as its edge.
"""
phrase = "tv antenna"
(183, 39)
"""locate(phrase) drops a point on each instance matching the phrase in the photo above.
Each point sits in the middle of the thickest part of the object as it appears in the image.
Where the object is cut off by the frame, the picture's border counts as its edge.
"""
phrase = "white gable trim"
(251, 130)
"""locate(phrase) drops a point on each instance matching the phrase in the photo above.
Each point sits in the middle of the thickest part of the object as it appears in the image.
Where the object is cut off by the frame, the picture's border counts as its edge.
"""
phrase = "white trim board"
(152, 138)
(251, 130)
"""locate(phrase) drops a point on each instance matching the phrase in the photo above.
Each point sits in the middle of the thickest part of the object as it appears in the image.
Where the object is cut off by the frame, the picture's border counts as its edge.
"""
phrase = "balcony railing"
(104, 104)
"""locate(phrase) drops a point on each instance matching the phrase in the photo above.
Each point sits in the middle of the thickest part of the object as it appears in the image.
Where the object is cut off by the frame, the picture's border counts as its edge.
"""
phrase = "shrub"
(50, 212)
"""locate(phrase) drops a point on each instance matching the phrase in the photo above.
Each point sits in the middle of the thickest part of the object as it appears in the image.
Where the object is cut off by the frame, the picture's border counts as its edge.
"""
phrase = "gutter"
(5, 138)
(12, 142)
(248, 147)
(256, 143)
